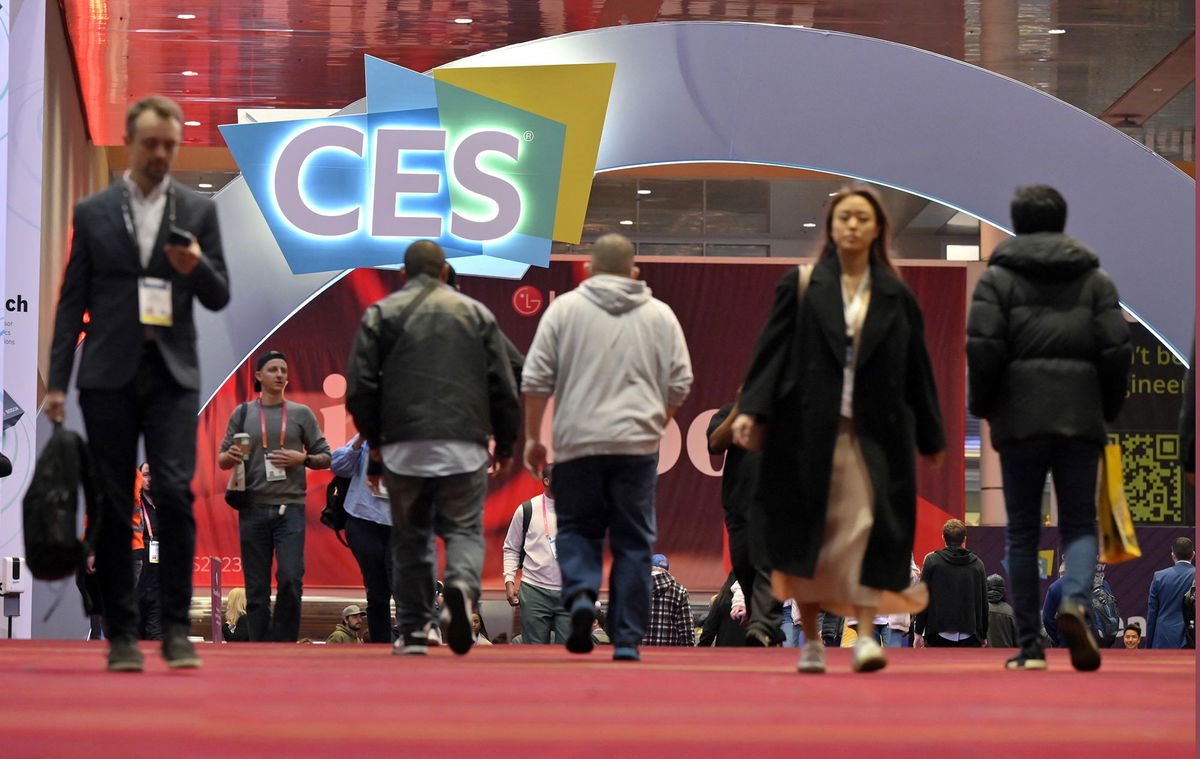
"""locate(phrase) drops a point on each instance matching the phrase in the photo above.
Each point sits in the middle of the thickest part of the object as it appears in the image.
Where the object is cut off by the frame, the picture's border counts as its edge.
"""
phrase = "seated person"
(352, 628)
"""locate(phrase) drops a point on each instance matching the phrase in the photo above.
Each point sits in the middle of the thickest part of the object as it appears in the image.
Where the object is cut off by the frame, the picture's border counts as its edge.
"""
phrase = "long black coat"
(795, 385)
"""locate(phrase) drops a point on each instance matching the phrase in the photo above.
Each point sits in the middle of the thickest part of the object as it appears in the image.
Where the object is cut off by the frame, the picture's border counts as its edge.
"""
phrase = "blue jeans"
(1074, 465)
(595, 495)
(264, 534)
(791, 633)
(893, 638)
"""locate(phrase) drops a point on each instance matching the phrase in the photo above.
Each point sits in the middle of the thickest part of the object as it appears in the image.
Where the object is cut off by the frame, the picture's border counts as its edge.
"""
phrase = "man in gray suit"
(142, 250)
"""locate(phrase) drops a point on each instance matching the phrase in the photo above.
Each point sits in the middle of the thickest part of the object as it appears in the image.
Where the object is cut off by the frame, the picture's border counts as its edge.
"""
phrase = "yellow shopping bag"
(1118, 541)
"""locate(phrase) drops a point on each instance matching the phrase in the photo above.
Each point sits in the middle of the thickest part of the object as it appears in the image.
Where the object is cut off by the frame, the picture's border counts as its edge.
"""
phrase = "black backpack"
(53, 549)
(334, 514)
(1106, 617)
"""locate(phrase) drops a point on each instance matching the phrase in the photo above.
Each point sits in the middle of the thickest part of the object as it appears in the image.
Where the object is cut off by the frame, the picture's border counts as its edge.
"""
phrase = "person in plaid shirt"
(670, 608)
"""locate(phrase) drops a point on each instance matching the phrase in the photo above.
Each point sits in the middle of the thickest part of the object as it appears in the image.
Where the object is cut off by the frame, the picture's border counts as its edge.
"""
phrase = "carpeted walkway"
(277, 700)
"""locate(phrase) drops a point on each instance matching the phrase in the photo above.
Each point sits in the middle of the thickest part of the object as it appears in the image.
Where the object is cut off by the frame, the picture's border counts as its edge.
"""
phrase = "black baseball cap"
(262, 361)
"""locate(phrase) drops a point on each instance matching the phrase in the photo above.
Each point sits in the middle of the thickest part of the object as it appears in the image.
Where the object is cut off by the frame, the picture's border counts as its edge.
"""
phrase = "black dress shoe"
(124, 656)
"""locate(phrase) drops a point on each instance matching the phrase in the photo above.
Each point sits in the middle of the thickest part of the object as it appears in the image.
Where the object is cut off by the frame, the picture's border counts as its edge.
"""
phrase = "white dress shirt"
(147, 210)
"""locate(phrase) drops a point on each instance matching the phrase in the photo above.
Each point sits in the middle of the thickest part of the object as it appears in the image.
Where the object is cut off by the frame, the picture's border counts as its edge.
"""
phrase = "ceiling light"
(1042, 60)
(191, 73)
(1156, 89)
(832, 194)
(643, 192)
(191, 123)
(204, 186)
(464, 20)
(1057, 31)
(186, 16)
(809, 224)
(626, 222)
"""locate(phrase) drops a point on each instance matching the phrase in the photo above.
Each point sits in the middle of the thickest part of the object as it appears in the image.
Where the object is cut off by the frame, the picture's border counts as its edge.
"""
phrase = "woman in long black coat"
(839, 392)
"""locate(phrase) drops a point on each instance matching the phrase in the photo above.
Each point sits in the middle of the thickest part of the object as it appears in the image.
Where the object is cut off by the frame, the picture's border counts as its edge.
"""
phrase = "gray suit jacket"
(102, 280)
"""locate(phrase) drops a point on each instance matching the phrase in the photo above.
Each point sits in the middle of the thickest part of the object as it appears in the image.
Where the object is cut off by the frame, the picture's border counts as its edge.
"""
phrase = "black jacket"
(443, 375)
(1047, 346)
(958, 598)
(102, 279)
(794, 384)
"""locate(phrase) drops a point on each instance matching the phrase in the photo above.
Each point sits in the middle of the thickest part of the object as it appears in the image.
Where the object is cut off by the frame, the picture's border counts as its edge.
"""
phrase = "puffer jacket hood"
(615, 294)
(995, 589)
(1045, 255)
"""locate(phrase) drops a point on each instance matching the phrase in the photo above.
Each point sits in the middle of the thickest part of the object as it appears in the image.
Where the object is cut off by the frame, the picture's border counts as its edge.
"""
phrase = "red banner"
(721, 306)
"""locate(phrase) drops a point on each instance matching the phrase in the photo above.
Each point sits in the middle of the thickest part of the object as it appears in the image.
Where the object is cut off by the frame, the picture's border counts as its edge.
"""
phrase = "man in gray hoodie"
(615, 361)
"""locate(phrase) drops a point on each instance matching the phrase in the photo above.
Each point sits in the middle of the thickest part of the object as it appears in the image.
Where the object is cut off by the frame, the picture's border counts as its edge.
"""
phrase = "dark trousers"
(152, 405)
(933, 640)
(764, 611)
(267, 534)
(595, 495)
(1024, 465)
(370, 542)
(149, 596)
(449, 507)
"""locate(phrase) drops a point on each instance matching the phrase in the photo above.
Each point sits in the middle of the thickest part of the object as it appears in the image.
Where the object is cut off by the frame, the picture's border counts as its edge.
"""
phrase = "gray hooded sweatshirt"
(614, 358)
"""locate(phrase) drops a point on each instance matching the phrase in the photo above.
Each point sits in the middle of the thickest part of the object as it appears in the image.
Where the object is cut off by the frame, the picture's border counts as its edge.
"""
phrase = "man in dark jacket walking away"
(1048, 353)
(430, 383)
(957, 615)
(1002, 628)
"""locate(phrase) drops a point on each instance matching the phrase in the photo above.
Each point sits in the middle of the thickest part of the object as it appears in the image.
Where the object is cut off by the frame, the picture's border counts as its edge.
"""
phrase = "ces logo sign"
(494, 180)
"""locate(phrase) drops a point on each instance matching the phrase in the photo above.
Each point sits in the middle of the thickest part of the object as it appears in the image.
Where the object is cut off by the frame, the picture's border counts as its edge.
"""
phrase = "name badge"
(274, 473)
(154, 301)
(153, 552)
(553, 549)
(381, 491)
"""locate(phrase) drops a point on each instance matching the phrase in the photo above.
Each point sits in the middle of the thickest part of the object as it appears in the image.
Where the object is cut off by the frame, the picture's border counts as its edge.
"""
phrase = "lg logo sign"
(527, 300)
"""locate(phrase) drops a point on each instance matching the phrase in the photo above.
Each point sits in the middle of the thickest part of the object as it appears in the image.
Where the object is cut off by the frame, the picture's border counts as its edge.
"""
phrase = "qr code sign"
(1153, 478)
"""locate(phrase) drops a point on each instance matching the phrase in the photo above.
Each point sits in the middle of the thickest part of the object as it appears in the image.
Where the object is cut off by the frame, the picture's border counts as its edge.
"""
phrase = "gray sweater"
(303, 434)
(614, 358)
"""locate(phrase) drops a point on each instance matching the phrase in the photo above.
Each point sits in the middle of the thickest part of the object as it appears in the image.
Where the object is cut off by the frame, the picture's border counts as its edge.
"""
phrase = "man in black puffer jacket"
(1048, 352)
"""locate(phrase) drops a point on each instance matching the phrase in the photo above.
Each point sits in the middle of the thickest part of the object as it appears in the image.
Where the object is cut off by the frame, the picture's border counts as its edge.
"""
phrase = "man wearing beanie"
(284, 440)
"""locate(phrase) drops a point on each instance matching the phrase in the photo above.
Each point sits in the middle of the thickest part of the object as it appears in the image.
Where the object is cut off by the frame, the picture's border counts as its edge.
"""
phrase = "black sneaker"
(1030, 657)
(459, 635)
(411, 644)
(179, 652)
(1072, 623)
(757, 638)
(583, 614)
(124, 656)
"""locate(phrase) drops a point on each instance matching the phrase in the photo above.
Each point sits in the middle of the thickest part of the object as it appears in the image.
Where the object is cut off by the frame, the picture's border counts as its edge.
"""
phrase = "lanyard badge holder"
(154, 293)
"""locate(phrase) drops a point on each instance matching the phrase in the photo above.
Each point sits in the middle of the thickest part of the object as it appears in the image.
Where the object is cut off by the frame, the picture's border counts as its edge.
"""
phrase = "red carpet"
(266, 700)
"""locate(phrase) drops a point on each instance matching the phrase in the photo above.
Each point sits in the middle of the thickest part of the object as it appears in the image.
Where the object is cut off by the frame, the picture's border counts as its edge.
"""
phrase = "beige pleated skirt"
(836, 582)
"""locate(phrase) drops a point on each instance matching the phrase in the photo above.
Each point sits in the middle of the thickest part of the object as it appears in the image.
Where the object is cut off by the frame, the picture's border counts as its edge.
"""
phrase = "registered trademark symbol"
(528, 136)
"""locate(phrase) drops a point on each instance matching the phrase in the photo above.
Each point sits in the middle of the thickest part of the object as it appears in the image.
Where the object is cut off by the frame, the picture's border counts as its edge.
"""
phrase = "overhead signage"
(494, 164)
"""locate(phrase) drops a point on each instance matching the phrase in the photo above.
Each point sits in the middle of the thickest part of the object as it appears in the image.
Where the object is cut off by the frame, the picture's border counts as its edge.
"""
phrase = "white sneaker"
(868, 655)
(812, 657)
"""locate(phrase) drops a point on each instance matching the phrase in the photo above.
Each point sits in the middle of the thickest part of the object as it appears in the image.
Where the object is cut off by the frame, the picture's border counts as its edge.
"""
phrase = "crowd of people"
(821, 442)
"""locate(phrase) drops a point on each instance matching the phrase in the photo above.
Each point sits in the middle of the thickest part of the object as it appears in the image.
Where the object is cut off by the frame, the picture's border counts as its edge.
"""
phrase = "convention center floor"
(281, 700)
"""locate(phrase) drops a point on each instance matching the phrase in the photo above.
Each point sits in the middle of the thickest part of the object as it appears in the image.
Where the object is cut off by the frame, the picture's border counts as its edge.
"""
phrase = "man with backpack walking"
(530, 547)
